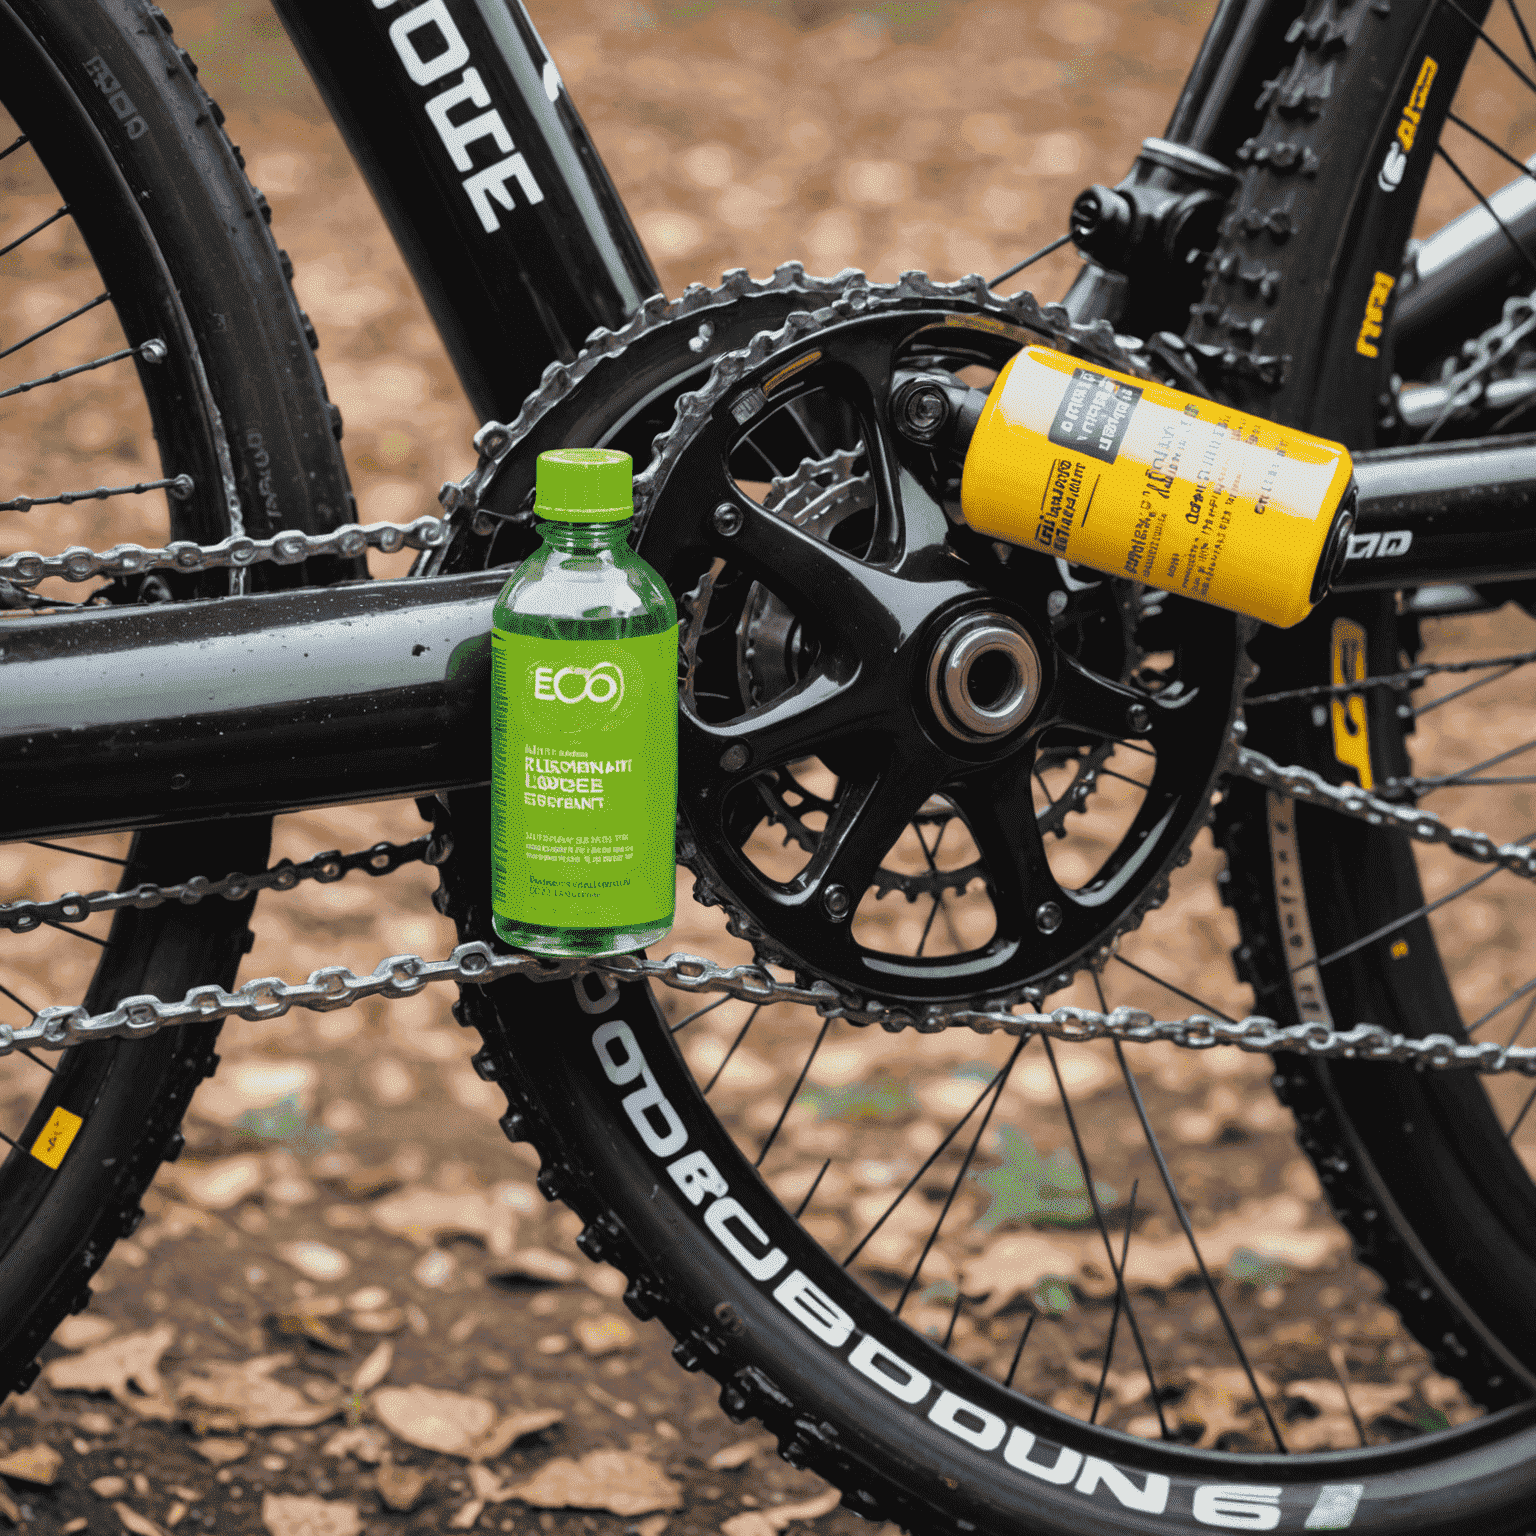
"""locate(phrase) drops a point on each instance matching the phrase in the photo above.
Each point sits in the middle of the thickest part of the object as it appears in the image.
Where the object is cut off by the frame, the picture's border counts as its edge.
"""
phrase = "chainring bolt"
(836, 903)
(735, 757)
(1048, 917)
(921, 411)
(728, 520)
(1138, 719)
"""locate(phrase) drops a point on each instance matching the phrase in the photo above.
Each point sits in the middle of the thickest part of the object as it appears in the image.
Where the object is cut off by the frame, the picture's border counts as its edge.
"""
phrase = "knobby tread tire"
(234, 309)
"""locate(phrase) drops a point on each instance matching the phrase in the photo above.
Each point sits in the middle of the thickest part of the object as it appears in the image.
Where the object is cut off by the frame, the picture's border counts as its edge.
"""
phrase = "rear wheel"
(198, 372)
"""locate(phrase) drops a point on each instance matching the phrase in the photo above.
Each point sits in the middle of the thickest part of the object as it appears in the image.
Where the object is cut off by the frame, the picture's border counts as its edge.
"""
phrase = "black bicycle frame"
(485, 173)
(521, 246)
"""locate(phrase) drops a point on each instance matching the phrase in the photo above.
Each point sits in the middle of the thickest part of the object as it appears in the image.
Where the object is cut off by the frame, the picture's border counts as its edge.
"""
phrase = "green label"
(583, 780)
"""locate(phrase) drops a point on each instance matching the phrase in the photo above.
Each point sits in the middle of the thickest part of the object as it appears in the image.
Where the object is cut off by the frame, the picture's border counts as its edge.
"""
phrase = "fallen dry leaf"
(769, 1522)
(1273, 1228)
(401, 1487)
(364, 1442)
(603, 1335)
(132, 1360)
(374, 1369)
(1012, 1266)
(306, 1324)
(220, 1449)
(425, 1215)
(221, 1185)
(37, 1463)
(623, 1482)
(315, 1261)
(109, 1487)
(9, 1508)
(434, 1420)
(464, 1519)
(653, 1525)
(729, 1457)
(247, 1389)
(1371, 1399)
(79, 1332)
(511, 1428)
(1327, 1432)
(390, 1320)
(1221, 1402)
(540, 1264)
(140, 1525)
(244, 1087)
(291, 1514)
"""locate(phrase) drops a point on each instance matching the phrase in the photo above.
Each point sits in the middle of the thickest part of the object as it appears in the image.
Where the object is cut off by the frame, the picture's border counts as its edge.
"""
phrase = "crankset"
(861, 672)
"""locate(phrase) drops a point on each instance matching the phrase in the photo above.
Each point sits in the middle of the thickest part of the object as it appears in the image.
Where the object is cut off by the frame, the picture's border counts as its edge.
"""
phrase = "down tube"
(485, 173)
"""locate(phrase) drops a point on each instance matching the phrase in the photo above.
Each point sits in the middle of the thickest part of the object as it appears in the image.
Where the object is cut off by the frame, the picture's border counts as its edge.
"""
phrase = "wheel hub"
(984, 677)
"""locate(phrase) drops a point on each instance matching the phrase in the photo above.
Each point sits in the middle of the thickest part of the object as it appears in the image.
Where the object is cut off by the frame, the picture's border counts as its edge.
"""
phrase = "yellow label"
(1129, 477)
(1375, 314)
(1351, 742)
(56, 1137)
(1413, 111)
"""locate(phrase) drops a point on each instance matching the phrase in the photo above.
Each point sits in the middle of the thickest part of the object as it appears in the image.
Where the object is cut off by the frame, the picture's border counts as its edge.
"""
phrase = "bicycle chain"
(476, 963)
(77, 563)
(381, 859)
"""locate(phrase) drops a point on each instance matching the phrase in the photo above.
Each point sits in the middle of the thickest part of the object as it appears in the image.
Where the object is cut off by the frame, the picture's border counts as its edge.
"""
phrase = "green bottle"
(583, 724)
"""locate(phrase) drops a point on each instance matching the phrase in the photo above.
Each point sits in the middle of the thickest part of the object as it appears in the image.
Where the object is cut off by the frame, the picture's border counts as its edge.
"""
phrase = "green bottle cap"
(584, 485)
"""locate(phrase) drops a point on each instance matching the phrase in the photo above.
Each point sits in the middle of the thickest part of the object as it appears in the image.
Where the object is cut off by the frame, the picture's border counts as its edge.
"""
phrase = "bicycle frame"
(521, 246)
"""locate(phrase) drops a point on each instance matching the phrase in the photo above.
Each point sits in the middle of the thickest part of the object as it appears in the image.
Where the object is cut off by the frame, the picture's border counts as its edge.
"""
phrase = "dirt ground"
(349, 1232)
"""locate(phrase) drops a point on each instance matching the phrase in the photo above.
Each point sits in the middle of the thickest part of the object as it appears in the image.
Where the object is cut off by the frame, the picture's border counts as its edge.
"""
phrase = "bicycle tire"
(160, 196)
(1435, 1199)
(603, 1094)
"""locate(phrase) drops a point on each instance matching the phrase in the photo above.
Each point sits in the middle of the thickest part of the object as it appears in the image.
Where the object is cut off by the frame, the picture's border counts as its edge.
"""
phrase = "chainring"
(805, 648)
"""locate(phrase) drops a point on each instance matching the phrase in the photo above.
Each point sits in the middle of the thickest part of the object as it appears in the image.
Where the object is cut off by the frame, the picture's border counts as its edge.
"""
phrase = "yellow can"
(1141, 481)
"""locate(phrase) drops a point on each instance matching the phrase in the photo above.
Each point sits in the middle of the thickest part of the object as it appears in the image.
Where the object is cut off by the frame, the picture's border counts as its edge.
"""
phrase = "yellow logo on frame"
(56, 1137)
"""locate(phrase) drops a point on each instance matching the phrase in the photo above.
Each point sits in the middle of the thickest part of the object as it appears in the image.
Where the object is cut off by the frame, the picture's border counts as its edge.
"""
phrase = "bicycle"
(1260, 263)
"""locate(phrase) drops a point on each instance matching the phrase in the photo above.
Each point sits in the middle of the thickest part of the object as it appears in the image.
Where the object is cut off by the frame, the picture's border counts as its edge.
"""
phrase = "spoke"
(11, 1141)
(810, 1194)
(78, 933)
(931, 1159)
(1401, 680)
(1103, 1226)
(1525, 1109)
(1504, 229)
(741, 1035)
(794, 1093)
(931, 855)
(1029, 1324)
(1493, 1013)
(1456, 693)
(954, 1317)
(1525, 36)
(74, 314)
(31, 1012)
(1403, 921)
(1341, 1370)
(1110, 773)
(37, 229)
(699, 1013)
(1168, 986)
(965, 1168)
(1029, 261)
(1447, 780)
(1498, 149)
(1114, 1321)
(69, 373)
(13, 146)
(1530, 84)
(83, 853)
(1525, 1018)
(1164, 1173)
